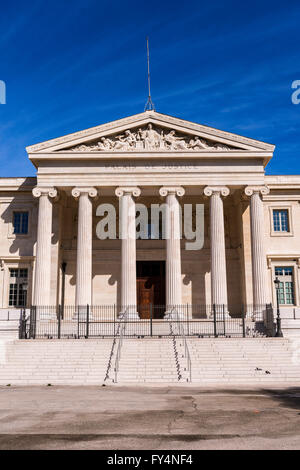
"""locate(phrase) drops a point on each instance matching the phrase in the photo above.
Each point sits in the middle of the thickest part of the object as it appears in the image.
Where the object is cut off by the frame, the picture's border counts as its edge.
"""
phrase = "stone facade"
(150, 158)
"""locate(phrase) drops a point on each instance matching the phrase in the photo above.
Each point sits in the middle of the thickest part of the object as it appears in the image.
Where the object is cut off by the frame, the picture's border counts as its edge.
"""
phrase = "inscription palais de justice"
(130, 167)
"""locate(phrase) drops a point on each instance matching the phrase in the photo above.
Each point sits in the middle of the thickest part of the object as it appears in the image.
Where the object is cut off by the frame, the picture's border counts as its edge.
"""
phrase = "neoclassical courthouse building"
(49, 249)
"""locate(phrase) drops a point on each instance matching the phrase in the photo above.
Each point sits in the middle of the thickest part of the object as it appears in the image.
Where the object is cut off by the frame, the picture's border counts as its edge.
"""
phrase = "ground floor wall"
(106, 278)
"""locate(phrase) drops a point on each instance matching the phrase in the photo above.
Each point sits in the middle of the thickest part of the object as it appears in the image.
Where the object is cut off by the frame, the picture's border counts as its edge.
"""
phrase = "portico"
(151, 159)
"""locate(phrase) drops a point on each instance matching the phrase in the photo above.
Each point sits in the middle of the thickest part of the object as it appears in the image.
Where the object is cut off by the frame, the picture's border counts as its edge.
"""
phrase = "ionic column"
(83, 296)
(217, 245)
(173, 237)
(259, 263)
(128, 257)
(42, 278)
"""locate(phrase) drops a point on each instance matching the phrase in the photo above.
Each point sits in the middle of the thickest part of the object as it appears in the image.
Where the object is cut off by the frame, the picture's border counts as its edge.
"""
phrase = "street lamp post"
(278, 319)
(25, 290)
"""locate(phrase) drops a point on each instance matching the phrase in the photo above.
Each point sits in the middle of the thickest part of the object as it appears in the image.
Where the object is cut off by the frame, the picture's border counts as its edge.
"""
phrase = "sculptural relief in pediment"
(150, 138)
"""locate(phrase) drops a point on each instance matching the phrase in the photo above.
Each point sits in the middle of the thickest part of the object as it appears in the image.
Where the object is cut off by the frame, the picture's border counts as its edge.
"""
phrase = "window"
(20, 223)
(18, 287)
(281, 220)
(286, 285)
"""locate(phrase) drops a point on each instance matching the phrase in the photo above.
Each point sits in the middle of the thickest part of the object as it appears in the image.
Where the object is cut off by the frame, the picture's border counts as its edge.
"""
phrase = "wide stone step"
(229, 361)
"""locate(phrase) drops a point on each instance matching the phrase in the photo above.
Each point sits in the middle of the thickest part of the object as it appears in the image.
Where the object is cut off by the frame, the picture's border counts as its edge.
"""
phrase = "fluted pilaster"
(217, 241)
(173, 249)
(42, 278)
(259, 263)
(84, 196)
(128, 259)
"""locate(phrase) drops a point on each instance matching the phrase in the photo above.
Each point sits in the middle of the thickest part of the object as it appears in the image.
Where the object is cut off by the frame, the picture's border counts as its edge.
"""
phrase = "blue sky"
(70, 65)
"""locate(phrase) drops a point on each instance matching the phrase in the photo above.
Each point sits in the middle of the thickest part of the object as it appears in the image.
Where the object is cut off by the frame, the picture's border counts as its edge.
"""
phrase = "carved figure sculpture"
(148, 138)
(176, 143)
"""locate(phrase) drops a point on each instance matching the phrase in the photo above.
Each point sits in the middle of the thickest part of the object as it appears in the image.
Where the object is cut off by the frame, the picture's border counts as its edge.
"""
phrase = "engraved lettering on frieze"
(152, 167)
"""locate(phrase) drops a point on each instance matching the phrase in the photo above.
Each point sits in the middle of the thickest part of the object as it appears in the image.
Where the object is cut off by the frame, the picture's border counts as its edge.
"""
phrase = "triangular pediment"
(150, 132)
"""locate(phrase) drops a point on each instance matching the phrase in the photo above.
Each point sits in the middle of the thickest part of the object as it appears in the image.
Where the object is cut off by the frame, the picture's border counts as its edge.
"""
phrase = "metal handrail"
(112, 350)
(109, 360)
(121, 328)
(175, 352)
(186, 348)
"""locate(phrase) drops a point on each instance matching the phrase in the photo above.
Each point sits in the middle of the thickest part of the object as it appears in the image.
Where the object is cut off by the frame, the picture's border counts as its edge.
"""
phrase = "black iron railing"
(96, 321)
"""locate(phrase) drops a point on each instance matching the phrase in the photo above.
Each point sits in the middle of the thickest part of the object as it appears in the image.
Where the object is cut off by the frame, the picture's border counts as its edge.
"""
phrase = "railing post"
(243, 322)
(188, 320)
(151, 316)
(224, 320)
(87, 320)
(22, 325)
(114, 320)
(215, 321)
(32, 322)
(59, 321)
(78, 324)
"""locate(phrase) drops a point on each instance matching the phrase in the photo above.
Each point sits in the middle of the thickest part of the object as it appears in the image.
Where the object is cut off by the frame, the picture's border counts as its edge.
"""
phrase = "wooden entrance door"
(151, 288)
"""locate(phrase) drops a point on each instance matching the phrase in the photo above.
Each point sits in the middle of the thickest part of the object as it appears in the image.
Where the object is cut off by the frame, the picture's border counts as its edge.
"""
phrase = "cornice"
(154, 118)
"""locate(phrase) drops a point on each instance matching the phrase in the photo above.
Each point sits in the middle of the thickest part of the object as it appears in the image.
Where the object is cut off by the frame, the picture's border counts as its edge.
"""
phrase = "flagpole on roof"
(149, 105)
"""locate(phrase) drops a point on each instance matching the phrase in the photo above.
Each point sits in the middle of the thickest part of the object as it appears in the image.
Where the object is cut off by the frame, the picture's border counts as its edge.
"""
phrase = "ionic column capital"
(130, 190)
(261, 190)
(39, 191)
(221, 190)
(80, 191)
(176, 190)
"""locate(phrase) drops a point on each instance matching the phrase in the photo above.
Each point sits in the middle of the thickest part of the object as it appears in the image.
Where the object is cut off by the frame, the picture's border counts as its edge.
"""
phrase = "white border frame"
(19, 208)
(281, 206)
(289, 263)
(17, 264)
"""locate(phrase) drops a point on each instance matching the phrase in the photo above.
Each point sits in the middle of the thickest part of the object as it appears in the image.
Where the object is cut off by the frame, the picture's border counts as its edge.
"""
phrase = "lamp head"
(276, 282)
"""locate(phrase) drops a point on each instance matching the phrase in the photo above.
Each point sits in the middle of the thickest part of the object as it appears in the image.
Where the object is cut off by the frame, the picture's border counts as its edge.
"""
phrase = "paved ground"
(155, 418)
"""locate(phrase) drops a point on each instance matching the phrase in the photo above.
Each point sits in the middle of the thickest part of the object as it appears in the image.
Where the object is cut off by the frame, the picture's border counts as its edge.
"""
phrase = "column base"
(221, 312)
(220, 316)
(45, 316)
(81, 314)
(82, 317)
(129, 316)
(171, 315)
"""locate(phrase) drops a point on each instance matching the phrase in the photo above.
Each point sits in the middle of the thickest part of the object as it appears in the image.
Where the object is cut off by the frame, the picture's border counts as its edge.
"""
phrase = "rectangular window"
(20, 223)
(286, 285)
(281, 220)
(18, 287)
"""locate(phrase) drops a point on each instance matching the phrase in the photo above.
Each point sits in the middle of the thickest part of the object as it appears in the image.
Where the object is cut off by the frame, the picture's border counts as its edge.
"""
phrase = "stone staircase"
(215, 361)
(9, 330)
(291, 328)
(244, 361)
(150, 360)
(41, 362)
(9, 323)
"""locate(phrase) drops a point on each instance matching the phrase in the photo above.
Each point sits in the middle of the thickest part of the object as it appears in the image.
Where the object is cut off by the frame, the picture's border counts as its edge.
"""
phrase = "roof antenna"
(149, 105)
